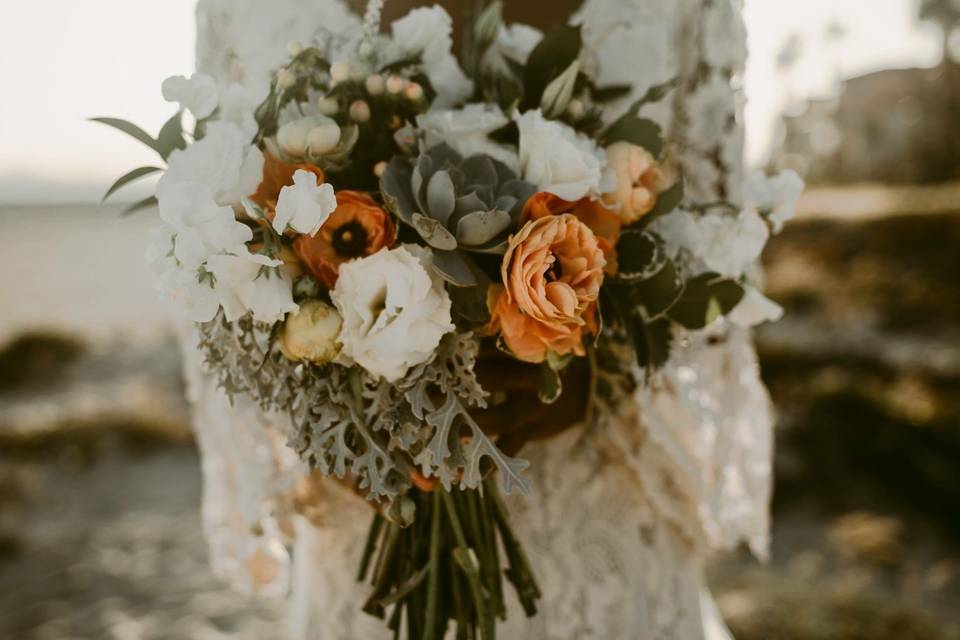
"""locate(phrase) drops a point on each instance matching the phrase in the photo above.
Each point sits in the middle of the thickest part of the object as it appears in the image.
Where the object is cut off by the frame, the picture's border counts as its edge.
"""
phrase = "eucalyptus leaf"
(127, 178)
(705, 299)
(554, 53)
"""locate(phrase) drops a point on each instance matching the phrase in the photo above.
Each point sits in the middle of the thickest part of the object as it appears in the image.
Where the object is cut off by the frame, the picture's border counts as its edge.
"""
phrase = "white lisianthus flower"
(222, 160)
(251, 282)
(198, 94)
(428, 30)
(201, 227)
(395, 310)
(558, 160)
(753, 309)
(774, 196)
(467, 131)
(726, 244)
(304, 205)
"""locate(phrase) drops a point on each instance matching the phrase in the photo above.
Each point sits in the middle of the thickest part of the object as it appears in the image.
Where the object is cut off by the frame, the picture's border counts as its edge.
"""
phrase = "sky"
(64, 61)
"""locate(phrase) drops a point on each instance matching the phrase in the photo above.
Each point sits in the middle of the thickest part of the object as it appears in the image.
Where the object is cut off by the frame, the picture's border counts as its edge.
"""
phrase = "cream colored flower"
(639, 181)
(312, 333)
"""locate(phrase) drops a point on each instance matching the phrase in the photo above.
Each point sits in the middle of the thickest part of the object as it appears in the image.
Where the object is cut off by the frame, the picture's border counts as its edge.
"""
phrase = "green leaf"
(610, 93)
(143, 204)
(558, 93)
(555, 52)
(470, 303)
(130, 129)
(127, 178)
(640, 255)
(551, 385)
(652, 341)
(706, 298)
(659, 293)
(656, 93)
(171, 136)
(639, 131)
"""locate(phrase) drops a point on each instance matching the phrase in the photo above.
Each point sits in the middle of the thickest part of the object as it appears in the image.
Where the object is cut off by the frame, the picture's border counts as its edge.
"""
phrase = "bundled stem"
(445, 568)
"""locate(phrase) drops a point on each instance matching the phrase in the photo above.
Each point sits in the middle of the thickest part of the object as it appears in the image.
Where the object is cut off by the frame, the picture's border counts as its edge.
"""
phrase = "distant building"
(897, 125)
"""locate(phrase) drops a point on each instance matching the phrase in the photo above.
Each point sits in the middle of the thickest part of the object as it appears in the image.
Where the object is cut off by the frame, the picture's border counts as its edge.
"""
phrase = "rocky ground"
(99, 482)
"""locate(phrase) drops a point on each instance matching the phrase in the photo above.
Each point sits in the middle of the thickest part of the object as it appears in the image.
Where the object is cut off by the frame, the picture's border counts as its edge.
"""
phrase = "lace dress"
(623, 517)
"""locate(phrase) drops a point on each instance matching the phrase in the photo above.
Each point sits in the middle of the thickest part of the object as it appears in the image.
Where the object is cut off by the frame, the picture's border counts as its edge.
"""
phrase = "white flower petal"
(198, 94)
(558, 160)
(304, 205)
(755, 308)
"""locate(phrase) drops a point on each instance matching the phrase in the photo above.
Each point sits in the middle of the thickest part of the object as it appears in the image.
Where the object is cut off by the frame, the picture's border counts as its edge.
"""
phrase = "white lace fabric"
(621, 518)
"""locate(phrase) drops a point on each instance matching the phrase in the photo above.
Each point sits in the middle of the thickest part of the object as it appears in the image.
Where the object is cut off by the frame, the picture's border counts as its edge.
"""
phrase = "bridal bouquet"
(390, 222)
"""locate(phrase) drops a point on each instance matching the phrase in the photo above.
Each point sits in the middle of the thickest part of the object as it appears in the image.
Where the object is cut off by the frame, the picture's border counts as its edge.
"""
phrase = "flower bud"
(360, 111)
(328, 106)
(395, 84)
(380, 168)
(375, 84)
(576, 109)
(286, 79)
(339, 71)
(292, 137)
(323, 138)
(311, 333)
(295, 48)
(414, 91)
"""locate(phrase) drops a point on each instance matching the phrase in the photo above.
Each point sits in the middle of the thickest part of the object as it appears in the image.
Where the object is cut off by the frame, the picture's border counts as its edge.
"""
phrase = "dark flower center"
(555, 271)
(350, 240)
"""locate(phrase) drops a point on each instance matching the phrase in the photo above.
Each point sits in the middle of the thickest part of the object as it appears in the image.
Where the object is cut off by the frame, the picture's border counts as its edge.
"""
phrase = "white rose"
(428, 30)
(312, 333)
(251, 282)
(200, 226)
(467, 130)
(198, 94)
(558, 160)
(394, 309)
(222, 160)
(304, 205)
(775, 196)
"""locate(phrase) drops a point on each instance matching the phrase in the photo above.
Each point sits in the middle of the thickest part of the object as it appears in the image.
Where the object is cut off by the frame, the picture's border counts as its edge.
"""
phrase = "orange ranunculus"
(639, 181)
(552, 273)
(278, 174)
(604, 223)
(356, 228)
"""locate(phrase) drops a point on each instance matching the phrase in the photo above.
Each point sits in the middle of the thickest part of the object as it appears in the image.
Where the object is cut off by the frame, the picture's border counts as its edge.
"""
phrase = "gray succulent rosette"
(457, 205)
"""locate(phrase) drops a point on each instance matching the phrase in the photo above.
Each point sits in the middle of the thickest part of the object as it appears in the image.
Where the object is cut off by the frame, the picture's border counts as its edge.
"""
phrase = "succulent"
(457, 205)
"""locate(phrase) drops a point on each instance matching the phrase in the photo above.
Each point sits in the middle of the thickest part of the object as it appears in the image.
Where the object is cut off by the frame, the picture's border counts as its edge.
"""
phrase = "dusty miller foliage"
(344, 420)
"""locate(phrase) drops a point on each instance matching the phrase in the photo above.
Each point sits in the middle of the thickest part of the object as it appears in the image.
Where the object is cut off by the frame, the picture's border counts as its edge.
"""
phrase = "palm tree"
(946, 15)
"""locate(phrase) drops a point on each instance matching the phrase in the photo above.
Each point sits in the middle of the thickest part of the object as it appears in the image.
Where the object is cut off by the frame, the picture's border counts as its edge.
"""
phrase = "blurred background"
(99, 480)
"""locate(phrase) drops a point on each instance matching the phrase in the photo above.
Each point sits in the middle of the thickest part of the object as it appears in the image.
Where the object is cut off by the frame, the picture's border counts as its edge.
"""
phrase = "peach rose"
(277, 175)
(356, 228)
(604, 222)
(552, 273)
(639, 181)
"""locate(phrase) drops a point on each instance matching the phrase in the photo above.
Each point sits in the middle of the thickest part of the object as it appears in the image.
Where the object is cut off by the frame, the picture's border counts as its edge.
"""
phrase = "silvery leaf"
(469, 203)
(480, 170)
(434, 233)
(455, 268)
(423, 168)
(393, 188)
(441, 197)
(481, 226)
(505, 202)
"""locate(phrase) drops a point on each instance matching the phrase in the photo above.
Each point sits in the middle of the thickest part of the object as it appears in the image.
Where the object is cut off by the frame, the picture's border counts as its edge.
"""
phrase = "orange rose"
(639, 181)
(602, 221)
(277, 175)
(356, 228)
(552, 273)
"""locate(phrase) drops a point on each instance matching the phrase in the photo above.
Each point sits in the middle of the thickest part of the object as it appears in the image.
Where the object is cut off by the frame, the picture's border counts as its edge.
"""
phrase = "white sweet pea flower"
(251, 282)
(467, 131)
(200, 226)
(726, 244)
(222, 160)
(429, 30)
(774, 196)
(198, 94)
(395, 310)
(558, 160)
(182, 287)
(753, 309)
(517, 40)
(237, 106)
(304, 205)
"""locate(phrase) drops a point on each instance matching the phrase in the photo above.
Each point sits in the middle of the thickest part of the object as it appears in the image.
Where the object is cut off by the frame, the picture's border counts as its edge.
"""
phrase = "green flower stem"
(372, 536)
(520, 572)
(433, 578)
(467, 560)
